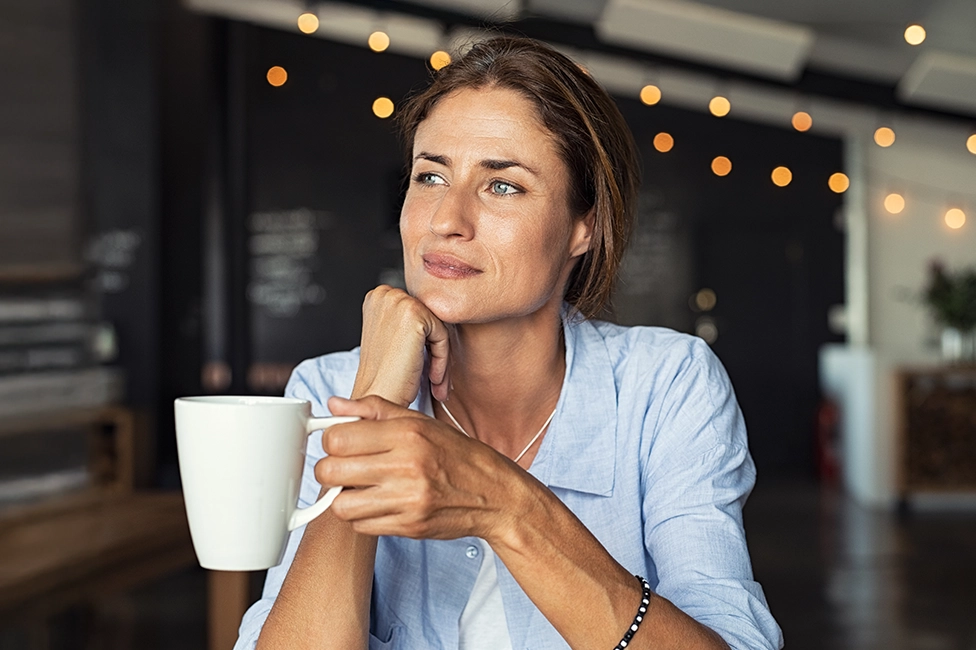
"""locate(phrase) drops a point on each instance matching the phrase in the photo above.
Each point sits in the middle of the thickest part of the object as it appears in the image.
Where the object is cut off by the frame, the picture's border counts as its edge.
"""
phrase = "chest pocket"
(391, 643)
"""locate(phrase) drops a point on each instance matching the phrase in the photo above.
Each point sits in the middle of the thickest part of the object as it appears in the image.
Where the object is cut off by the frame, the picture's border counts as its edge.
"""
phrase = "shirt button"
(471, 552)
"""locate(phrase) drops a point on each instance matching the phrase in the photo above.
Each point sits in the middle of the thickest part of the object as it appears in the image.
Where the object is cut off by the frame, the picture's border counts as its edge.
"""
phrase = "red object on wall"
(828, 441)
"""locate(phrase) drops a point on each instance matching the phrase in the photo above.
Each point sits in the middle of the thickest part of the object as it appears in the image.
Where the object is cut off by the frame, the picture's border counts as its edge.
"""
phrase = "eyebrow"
(490, 163)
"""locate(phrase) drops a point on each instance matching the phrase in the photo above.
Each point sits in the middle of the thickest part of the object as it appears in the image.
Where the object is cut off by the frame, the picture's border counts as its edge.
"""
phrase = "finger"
(440, 391)
(364, 437)
(353, 471)
(438, 343)
(365, 503)
(371, 407)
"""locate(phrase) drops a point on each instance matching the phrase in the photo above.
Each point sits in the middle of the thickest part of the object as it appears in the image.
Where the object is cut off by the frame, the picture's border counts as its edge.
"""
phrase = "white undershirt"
(483, 625)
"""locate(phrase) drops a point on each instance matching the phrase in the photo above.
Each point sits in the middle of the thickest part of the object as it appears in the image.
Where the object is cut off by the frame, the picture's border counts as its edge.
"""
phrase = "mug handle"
(301, 516)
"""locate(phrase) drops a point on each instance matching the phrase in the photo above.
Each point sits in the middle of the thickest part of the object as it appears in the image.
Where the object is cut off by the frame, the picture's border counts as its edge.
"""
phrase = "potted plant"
(952, 298)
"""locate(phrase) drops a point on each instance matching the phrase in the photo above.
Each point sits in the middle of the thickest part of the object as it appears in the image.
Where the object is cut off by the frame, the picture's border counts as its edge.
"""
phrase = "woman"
(547, 459)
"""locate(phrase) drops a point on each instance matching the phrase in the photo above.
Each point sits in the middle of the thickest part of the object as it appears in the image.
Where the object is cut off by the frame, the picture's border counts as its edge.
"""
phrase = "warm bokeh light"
(277, 76)
(650, 94)
(955, 218)
(440, 59)
(839, 182)
(894, 203)
(719, 106)
(782, 176)
(308, 23)
(663, 142)
(705, 300)
(914, 34)
(884, 136)
(802, 121)
(721, 166)
(383, 107)
(971, 143)
(379, 41)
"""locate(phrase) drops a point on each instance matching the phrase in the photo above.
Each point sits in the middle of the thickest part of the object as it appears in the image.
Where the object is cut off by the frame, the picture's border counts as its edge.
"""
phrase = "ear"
(582, 235)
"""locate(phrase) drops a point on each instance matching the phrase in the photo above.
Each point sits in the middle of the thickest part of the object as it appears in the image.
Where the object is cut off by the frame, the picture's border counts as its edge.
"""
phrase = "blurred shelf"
(46, 420)
(937, 428)
(41, 273)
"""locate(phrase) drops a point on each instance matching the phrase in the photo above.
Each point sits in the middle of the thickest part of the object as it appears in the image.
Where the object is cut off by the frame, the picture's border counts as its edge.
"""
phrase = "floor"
(837, 577)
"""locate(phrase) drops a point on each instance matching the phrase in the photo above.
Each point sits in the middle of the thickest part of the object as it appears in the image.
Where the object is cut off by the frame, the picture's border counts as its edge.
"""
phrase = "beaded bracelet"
(645, 601)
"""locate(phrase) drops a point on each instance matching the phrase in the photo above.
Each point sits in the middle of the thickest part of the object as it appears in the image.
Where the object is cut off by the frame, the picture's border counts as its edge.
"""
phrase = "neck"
(506, 377)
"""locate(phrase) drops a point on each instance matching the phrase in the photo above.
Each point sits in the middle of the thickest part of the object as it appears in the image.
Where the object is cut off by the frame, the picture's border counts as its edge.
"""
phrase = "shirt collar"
(583, 433)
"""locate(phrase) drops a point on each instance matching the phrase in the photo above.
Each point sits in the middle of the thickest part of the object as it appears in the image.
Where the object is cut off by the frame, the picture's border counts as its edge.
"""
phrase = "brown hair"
(595, 143)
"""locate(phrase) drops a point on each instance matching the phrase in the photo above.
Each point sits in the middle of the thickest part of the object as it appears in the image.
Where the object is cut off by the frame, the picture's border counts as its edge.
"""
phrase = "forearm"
(588, 597)
(324, 600)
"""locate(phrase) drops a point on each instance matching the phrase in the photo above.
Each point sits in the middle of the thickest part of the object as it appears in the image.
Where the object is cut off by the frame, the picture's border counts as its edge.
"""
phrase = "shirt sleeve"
(299, 386)
(697, 477)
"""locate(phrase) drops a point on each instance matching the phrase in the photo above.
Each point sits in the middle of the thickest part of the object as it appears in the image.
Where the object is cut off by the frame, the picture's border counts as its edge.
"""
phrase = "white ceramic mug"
(241, 461)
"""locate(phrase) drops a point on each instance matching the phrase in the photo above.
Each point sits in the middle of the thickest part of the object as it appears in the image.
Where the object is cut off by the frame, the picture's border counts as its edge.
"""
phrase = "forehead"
(486, 118)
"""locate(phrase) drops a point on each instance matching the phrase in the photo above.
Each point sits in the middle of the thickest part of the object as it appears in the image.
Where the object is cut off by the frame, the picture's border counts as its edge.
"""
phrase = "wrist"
(524, 511)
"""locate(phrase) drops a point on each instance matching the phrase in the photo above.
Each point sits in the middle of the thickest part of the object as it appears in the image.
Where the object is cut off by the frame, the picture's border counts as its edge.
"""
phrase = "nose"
(453, 215)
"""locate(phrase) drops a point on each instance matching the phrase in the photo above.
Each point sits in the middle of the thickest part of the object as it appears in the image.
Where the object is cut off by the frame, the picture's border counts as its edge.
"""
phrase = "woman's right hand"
(396, 329)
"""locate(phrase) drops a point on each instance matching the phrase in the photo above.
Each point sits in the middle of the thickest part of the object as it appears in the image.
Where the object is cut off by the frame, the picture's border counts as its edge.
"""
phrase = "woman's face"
(486, 226)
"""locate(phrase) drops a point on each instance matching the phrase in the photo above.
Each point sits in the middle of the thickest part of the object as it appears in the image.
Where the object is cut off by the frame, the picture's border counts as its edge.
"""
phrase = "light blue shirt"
(648, 448)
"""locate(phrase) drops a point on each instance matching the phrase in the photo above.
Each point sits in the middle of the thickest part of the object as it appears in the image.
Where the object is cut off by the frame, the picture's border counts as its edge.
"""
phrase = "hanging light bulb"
(308, 23)
(277, 76)
(955, 218)
(802, 121)
(663, 142)
(782, 176)
(884, 136)
(838, 182)
(383, 107)
(378, 41)
(971, 143)
(650, 94)
(894, 203)
(440, 59)
(719, 106)
(914, 34)
(721, 166)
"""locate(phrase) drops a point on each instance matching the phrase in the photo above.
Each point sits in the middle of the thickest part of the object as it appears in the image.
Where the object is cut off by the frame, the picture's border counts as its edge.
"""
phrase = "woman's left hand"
(414, 476)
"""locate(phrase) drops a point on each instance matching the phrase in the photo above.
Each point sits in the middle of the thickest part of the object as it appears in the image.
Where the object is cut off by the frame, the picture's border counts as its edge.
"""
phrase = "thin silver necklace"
(527, 447)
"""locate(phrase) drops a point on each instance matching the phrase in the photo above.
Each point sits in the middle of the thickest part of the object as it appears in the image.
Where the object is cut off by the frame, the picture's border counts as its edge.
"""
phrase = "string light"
(277, 76)
(971, 144)
(719, 106)
(838, 182)
(782, 176)
(383, 107)
(914, 34)
(650, 94)
(894, 203)
(955, 218)
(308, 23)
(721, 166)
(378, 41)
(663, 142)
(440, 59)
(884, 136)
(802, 121)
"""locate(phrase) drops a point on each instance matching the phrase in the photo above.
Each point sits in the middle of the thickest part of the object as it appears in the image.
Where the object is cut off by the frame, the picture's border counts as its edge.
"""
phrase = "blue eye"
(428, 178)
(503, 188)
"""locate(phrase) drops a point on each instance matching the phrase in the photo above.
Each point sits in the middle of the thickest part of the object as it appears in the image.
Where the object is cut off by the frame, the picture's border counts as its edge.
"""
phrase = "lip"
(448, 267)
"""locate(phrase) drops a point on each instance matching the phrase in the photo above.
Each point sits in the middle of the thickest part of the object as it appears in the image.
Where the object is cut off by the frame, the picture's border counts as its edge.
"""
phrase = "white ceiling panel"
(701, 33)
(941, 80)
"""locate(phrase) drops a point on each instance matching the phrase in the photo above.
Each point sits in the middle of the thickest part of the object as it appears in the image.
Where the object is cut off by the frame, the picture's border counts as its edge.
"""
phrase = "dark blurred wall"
(40, 138)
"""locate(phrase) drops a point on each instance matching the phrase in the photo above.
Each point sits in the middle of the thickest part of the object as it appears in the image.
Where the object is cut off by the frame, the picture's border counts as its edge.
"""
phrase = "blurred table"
(65, 552)
(104, 539)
